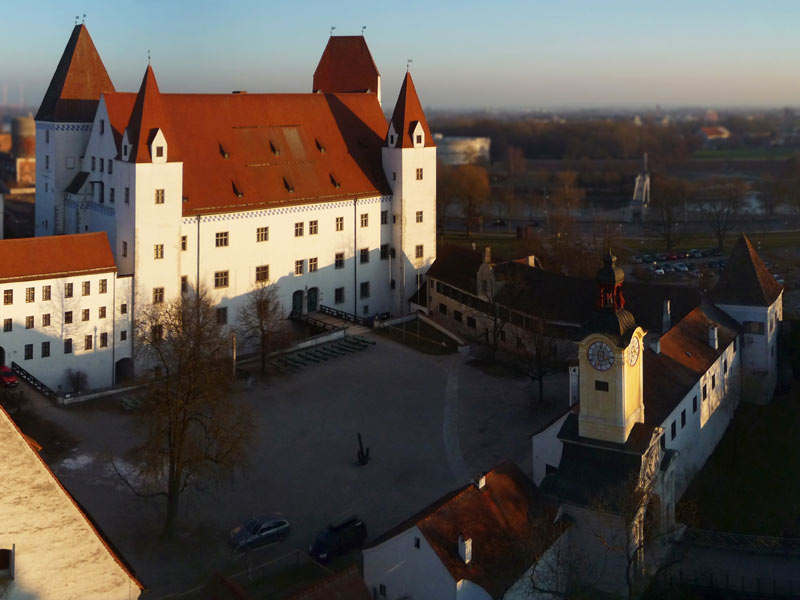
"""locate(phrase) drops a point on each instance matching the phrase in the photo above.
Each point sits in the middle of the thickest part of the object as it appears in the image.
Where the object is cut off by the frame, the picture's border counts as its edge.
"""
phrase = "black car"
(338, 539)
(260, 530)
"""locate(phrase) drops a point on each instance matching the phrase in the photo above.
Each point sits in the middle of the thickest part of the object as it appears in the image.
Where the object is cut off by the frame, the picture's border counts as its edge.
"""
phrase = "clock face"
(633, 351)
(600, 356)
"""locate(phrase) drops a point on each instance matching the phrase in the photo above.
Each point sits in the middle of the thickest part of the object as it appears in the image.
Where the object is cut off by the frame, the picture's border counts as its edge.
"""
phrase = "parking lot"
(431, 423)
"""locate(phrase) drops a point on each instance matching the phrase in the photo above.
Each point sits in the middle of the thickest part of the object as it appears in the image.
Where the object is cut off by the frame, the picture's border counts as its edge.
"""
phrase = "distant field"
(744, 154)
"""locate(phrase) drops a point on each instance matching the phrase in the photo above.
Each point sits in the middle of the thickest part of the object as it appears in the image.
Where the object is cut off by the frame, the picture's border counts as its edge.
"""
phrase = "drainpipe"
(197, 241)
(355, 261)
(114, 331)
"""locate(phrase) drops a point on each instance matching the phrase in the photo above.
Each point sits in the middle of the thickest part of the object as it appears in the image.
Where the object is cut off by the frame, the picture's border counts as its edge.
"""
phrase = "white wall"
(406, 570)
(467, 590)
(546, 448)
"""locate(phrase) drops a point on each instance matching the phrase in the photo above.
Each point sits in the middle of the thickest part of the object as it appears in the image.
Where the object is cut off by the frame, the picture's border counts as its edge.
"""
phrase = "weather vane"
(363, 28)
(83, 20)
(408, 64)
(333, 28)
(148, 56)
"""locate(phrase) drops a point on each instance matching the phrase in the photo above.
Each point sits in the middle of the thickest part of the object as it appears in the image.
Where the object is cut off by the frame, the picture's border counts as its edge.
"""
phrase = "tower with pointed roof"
(409, 162)
(610, 363)
(63, 123)
(748, 292)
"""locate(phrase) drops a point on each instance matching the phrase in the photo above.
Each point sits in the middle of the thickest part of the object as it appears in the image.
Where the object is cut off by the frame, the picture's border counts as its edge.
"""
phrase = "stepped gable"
(746, 281)
(147, 117)
(78, 82)
(55, 256)
(346, 66)
(407, 113)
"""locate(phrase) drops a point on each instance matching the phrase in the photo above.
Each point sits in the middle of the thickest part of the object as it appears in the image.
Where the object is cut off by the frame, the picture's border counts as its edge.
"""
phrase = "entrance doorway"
(2, 356)
(297, 302)
(313, 299)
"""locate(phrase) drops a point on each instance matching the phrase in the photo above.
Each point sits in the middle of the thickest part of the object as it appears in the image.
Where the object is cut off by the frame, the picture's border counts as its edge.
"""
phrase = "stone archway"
(297, 302)
(123, 370)
(312, 299)
(2, 356)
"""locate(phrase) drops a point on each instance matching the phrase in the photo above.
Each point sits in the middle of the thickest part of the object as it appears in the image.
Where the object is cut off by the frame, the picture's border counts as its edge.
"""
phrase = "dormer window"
(320, 147)
(289, 187)
(275, 150)
(419, 139)
(225, 154)
(102, 126)
(335, 182)
(160, 151)
(391, 140)
(125, 150)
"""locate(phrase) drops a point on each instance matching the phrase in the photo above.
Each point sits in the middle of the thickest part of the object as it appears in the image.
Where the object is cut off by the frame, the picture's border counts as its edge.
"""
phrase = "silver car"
(259, 531)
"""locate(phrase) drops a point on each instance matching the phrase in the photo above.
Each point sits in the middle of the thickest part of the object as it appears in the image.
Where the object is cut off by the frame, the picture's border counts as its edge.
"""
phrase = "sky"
(502, 54)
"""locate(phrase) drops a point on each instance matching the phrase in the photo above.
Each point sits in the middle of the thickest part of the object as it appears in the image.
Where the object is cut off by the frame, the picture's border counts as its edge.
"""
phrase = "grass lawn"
(751, 484)
(419, 336)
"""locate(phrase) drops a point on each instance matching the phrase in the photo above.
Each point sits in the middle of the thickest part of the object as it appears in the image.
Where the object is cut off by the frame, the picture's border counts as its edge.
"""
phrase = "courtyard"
(431, 424)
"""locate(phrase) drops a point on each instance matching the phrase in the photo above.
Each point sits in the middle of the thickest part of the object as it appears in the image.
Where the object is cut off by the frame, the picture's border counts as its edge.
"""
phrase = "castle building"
(314, 192)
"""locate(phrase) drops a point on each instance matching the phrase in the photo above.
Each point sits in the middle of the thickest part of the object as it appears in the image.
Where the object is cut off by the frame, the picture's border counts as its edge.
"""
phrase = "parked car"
(259, 531)
(673, 256)
(661, 257)
(668, 268)
(659, 271)
(636, 258)
(681, 267)
(647, 258)
(8, 376)
(338, 538)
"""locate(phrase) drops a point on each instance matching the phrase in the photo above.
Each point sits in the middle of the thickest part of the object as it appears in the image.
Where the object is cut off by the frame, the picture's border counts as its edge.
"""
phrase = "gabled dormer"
(417, 132)
(158, 147)
(125, 147)
(391, 137)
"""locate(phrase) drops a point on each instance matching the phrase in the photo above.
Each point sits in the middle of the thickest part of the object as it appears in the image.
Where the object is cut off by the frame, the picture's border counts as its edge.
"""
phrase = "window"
(68, 317)
(29, 322)
(365, 309)
(392, 284)
(93, 163)
(384, 251)
(102, 126)
(262, 273)
(419, 216)
(458, 316)
(45, 349)
(184, 284)
(382, 590)
(220, 279)
(394, 175)
(471, 322)
(8, 297)
(419, 139)
(298, 229)
(338, 295)
(103, 286)
(104, 340)
(601, 386)
(87, 342)
(123, 308)
(184, 243)
(339, 223)
(111, 192)
(157, 333)
(158, 295)
(725, 366)
(384, 217)
(734, 345)
(102, 165)
(110, 167)
(442, 308)
(160, 196)
(419, 174)
(124, 248)
(68, 346)
(47, 137)
(416, 542)
(45, 292)
(127, 195)
(683, 419)
(673, 430)
(339, 260)
(364, 290)
(159, 151)
(713, 381)
(221, 239)
(67, 290)
(313, 226)
(46, 320)
(85, 314)
(705, 392)
(7, 325)
(158, 251)
(312, 265)
(222, 315)
(101, 312)
(753, 327)
(364, 219)
(86, 288)
(28, 351)
(298, 267)
(694, 405)
(418, 251)
(364, 255)
(123, 335)
(262, 234)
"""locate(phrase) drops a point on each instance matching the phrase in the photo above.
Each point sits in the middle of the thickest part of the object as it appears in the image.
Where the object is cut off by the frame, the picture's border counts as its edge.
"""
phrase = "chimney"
(713, 336)
(465, 549)
(487, 255)
(666, 317)
(482, 481)
(473, 246)
(655, 345)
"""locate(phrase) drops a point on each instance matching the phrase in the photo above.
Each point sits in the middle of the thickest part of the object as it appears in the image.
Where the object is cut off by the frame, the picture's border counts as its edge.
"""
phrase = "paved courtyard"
(431, 423)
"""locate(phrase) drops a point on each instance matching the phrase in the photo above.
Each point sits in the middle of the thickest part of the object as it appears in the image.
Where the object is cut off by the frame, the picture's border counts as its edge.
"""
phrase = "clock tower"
(610, 362)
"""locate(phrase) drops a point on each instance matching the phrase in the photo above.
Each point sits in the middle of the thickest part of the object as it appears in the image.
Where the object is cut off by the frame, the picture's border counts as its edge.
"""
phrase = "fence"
(345, 316)
(747, 585)
(750, 543)
(33, 382)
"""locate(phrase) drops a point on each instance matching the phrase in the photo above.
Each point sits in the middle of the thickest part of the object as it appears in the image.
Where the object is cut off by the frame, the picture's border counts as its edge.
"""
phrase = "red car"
(8, 377)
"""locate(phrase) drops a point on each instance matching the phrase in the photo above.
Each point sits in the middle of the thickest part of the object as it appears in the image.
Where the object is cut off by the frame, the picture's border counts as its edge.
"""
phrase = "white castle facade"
(316, 193)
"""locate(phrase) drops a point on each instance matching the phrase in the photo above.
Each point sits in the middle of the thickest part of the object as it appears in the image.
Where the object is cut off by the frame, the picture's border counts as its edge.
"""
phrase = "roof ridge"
(746, 281)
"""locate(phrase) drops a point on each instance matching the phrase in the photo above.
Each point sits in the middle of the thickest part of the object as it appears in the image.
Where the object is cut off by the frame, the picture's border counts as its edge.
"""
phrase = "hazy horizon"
(516, 56)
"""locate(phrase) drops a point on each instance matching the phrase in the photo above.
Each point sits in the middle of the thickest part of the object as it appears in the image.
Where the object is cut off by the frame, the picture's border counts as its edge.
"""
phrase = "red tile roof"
(746, 280)
(407, 113)
(346, 585)
(76, 85)
(499, 519)
(55, 256)
(346, 66)
(247, 151)
(147, 117)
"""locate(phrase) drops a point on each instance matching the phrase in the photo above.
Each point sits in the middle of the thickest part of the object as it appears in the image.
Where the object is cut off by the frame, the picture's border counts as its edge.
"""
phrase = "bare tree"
(195, 431)
(467, 185)
(261, 320)
(539, 353)
(667, 202)
(775, 192)
(566, 196)
(722, 201)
